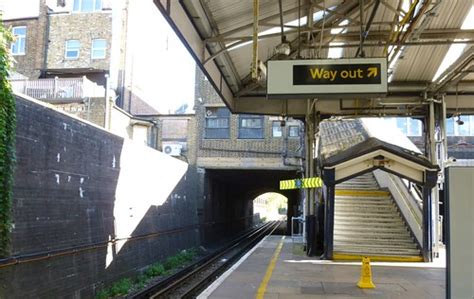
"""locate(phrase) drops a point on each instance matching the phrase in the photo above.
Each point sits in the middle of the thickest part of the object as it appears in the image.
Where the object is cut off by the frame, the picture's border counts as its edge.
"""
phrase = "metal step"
(406, 243)
(363, 202)
(369, 225)
(349, 214)
(370, 230)
(367, 208)
(384, 250)
(366, 198)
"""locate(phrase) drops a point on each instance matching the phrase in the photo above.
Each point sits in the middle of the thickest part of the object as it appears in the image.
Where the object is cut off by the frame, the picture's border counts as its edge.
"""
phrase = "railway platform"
(273, 269)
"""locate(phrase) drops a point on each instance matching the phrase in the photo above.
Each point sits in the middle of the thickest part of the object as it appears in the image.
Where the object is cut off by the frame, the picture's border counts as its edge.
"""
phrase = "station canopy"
(427, 45)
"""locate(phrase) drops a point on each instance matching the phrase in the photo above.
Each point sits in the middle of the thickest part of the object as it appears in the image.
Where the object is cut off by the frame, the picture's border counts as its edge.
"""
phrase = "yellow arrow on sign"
(372, 72)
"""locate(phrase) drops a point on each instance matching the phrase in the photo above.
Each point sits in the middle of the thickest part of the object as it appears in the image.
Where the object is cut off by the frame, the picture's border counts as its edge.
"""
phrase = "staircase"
(367, 222)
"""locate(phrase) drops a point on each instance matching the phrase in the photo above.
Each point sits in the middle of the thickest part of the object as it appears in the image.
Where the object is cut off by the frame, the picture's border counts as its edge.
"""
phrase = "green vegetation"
(7, 141)
(125, 285)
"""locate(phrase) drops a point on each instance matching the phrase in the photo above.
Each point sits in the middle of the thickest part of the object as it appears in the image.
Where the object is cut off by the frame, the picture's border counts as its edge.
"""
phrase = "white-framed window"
(87, 5)
(99, 48)
(277, 130)
(293, 131)
(217, 123)
(251, 126)
(72, 49)
(18, 47)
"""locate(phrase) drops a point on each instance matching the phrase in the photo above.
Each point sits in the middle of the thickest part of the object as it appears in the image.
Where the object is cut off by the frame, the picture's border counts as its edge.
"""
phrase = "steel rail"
(172, 282)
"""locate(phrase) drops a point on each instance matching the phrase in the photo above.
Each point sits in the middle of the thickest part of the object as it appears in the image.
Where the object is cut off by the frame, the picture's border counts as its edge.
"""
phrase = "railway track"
(192, 280)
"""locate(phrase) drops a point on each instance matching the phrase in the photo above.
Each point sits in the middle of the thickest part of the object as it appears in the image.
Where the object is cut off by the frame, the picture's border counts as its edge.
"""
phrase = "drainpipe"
(107, 103)
(46, 39)
(254, 70)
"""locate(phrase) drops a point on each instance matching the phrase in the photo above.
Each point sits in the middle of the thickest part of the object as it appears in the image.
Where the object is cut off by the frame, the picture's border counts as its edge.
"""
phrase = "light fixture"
(459, 121)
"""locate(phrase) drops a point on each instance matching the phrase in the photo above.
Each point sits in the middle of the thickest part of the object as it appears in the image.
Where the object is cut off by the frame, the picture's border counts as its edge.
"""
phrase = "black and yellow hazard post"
(365, 281)
(307, 183)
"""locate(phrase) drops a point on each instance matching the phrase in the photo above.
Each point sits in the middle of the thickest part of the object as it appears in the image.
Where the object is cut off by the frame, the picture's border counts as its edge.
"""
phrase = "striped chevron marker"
(315, 182)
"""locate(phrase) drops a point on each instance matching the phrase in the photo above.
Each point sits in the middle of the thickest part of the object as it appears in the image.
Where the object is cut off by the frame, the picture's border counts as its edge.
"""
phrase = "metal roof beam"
(261, 21)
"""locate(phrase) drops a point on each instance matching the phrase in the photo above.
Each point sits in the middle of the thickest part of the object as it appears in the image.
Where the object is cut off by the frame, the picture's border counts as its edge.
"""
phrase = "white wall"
(17, 9)
(120, 123)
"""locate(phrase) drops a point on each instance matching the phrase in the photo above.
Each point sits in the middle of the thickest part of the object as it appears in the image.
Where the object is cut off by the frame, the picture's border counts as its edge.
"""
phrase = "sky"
(163, 70)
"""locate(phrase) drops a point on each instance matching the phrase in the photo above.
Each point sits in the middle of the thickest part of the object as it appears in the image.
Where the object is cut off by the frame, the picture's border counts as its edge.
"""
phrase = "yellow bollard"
(365, 281)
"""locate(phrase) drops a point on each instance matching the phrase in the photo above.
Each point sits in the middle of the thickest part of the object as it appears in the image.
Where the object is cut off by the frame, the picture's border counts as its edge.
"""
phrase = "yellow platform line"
(263, 286)
(367, 193)
(375, 258)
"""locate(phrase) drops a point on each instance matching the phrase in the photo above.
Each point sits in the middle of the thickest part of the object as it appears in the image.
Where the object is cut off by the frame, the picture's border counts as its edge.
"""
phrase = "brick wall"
(233, 147)
(32, 62)
(83, 27)
(69, 193)
(91, 109)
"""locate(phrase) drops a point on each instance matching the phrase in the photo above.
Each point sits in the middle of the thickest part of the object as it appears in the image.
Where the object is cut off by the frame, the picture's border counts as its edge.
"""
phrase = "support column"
(431, 179)
(329, 176)
(310, 217)
(427, 237)
(436, 158)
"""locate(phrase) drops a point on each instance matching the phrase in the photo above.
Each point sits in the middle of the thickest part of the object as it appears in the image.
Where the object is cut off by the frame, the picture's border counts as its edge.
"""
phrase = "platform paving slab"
(299, 276)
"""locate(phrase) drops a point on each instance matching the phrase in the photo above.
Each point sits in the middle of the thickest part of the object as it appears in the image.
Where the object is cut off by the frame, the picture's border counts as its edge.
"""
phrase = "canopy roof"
(414, 35)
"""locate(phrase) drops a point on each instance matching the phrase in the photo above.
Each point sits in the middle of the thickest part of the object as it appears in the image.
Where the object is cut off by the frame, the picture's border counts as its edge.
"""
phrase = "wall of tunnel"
(231, 193)
(90, 207)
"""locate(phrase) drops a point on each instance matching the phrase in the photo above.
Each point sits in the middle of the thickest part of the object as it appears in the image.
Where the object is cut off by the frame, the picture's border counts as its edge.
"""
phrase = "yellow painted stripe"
(374, 193)
(375, 258)
(263, 286)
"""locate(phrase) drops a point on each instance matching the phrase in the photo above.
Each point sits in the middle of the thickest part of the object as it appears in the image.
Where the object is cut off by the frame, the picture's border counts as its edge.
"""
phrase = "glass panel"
(77, 5)
(450, 126)
(471, 125)
(277, 129)
(18, 46)
(99, 44)
(211, 133)
(15, 48)
(97, 54)
(87, 5)
(246, 133)
(98, 4)
(463, 130)
(73, 44)
(21, 45)
(402, 124)
(255, 123)
(294, 131)
(72, 48)
(19, 31)
(414, 127)
(217, 123)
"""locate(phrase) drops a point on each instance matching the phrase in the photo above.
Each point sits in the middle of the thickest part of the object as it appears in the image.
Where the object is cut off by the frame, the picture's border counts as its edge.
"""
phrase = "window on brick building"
(18, 47)
(277, 130)
(217, 123)
(251, 127)
(99, 48)
(72, 49)
(87, 5)
(293, 131)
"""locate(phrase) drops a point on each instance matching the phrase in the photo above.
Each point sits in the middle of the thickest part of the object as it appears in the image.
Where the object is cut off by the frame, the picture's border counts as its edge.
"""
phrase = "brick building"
(30, 29)
(237, 140)
(64, 52)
